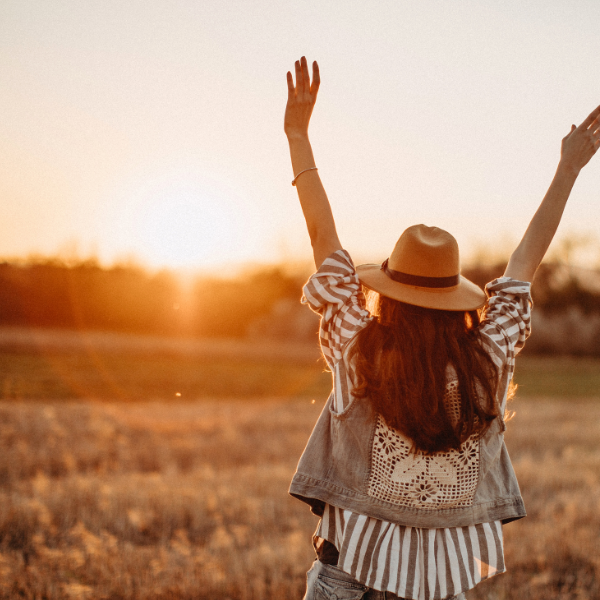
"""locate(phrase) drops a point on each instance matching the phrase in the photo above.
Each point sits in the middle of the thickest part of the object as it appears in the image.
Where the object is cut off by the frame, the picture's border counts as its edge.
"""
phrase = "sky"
(153, 131)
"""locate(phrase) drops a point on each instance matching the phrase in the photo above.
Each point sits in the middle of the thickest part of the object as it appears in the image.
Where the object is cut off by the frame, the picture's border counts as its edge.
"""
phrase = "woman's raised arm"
(313, 199)
(577, 148)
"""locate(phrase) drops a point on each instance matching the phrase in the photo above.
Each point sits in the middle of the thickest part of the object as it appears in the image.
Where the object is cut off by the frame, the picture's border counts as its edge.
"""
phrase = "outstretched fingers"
(593, 116)
(316, 82)
(596, 136)
(305, 75)
(299, 79)
(592, 129)
(301, 98)
(303, 90)
(290, 85)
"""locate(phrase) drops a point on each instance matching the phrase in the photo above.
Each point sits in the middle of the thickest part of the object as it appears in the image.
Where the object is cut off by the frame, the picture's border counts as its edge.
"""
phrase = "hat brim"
(464, 296)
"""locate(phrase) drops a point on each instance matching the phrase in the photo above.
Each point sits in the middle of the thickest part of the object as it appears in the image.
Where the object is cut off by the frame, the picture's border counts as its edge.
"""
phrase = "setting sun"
(179, 220)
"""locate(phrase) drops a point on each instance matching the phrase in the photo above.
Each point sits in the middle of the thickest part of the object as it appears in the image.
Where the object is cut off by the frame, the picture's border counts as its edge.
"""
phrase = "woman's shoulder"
(506, 319)
(340, 259)
(336, 269)
(507, 286)
(335, 293)
(334, 283)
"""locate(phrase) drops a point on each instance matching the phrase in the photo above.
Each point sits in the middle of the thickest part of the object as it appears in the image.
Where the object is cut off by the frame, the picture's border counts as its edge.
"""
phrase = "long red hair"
(401, 361)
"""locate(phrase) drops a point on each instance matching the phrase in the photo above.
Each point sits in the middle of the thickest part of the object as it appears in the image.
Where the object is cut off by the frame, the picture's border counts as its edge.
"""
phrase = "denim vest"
(354, 461)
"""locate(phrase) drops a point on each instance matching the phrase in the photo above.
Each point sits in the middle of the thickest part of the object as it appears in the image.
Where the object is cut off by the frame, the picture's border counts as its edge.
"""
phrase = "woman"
(407, 466)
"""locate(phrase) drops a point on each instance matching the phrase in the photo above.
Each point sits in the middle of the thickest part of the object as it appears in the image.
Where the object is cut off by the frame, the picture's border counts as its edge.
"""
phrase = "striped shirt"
(412, 562)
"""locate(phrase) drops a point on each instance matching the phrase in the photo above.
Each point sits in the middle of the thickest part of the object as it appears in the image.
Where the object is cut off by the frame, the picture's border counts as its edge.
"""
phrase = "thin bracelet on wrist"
(296, 177)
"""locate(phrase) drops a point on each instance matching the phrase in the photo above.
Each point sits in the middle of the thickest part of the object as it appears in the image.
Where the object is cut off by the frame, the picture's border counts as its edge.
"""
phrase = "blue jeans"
(326, 582)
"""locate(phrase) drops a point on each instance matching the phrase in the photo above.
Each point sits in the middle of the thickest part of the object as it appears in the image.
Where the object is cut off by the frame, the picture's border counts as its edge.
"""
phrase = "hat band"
(418, 280)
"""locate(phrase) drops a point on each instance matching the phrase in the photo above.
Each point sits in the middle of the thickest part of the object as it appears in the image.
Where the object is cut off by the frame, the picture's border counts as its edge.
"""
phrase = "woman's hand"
(301, 99)
(581, 143)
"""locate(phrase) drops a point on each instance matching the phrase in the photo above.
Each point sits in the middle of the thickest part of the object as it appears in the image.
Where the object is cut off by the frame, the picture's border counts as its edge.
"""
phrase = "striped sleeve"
(506, 322)
(335, 293)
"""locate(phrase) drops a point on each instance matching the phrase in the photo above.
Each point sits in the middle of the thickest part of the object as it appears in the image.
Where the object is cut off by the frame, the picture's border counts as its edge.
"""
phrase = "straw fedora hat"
(424, 270)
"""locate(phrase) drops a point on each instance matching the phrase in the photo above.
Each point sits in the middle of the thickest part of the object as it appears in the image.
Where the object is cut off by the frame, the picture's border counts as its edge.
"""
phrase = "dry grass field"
(189, 500)
(147, 468)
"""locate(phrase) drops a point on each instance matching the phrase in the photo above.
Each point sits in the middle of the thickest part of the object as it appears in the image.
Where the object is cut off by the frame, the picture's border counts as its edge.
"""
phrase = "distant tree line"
(557, 288)
(129, 299)
(264, 303)
(566, 317)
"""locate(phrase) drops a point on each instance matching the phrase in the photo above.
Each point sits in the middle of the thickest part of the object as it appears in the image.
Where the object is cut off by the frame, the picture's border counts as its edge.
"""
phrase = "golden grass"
(190, 501)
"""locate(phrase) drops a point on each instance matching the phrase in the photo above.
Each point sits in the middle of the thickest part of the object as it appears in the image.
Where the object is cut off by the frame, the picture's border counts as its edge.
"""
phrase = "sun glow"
(179, 221)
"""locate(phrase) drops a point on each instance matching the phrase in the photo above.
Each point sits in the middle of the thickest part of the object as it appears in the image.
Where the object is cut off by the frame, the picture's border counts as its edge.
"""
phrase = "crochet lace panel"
(441, 480)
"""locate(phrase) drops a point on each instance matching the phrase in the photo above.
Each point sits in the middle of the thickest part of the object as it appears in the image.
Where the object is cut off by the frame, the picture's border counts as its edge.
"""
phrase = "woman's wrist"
(567, 170)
